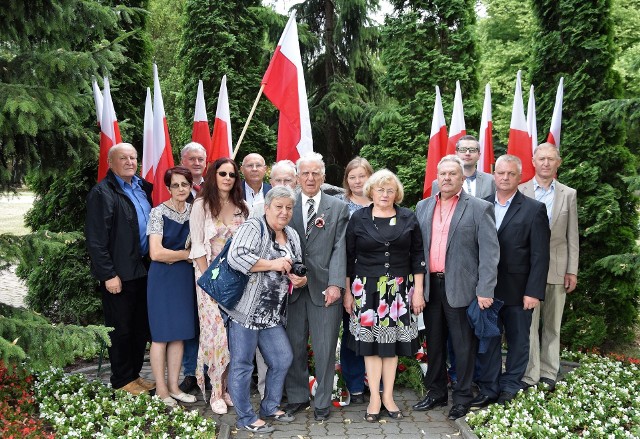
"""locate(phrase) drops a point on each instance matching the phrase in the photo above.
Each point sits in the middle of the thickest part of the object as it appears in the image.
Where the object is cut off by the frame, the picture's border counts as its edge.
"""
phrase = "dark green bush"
(55, 267)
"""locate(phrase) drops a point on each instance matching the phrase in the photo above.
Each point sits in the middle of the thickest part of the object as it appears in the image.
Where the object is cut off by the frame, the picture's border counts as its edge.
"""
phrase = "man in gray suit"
(462, 250)
(476, 183)
(316, 308)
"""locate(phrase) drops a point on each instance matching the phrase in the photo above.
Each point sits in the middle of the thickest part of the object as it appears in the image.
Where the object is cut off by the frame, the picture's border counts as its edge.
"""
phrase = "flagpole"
(246, 124)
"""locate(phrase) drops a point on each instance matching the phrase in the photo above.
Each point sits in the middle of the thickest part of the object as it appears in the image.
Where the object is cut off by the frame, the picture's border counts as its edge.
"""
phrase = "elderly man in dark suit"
(523, 232)
(462, 251)
(316, 309)
(116, 231)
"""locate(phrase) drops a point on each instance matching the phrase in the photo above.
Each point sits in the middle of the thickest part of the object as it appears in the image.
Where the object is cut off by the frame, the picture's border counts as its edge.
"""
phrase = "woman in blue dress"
(170, 286)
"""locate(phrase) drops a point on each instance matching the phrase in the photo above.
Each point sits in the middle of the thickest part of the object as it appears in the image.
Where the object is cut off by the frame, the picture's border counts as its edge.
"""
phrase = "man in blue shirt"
(116, 232)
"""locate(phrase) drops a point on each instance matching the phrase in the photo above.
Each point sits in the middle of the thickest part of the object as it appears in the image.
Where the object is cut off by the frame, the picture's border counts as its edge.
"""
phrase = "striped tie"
(311, 216)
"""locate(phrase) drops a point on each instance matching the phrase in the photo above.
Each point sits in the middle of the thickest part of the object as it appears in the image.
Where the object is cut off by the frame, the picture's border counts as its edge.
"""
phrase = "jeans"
(276, 350)
(190, 356)
(352, 365)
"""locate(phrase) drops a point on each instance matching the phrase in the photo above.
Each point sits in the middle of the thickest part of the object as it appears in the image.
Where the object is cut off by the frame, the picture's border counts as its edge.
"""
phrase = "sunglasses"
(224, 174)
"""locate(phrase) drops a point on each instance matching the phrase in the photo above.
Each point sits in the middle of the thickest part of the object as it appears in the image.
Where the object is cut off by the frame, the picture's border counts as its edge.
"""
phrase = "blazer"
(565, 243)
(371, 254)
(111, 231)
(266, 187)
(485, 185)
(473, 252)
(324, 252)
(524, 250)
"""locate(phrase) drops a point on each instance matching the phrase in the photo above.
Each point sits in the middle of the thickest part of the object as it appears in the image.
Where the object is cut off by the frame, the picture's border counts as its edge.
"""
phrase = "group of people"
(315, 260)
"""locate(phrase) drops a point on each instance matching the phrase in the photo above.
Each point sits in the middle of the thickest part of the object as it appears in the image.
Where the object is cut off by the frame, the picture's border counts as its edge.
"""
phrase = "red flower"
(402, 367)
(367, 317)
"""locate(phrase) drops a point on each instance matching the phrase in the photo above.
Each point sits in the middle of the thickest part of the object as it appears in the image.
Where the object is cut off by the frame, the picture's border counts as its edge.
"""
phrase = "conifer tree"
(423, 44)
(575, 40)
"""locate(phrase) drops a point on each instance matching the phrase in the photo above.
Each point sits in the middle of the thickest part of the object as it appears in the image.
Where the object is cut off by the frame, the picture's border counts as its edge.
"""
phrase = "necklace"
(175, 208)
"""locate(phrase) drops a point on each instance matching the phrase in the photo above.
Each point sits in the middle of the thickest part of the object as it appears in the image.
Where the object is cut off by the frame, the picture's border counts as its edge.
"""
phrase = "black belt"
(437, 275)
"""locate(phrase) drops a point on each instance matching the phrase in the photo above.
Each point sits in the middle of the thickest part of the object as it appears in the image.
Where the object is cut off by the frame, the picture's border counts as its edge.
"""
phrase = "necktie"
(311, 216)
(196, 187)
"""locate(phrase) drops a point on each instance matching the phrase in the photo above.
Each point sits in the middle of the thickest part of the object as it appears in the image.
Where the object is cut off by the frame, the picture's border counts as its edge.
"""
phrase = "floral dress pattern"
(208, 236)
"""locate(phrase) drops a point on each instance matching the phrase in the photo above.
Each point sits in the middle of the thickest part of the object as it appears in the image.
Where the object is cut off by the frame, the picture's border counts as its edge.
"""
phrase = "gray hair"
(384, 176)
(192, 146)
(510, 159)
(452, 158)
(284, 165)
(311, 157)
(117, 147)
(279, 192)
(547, 145)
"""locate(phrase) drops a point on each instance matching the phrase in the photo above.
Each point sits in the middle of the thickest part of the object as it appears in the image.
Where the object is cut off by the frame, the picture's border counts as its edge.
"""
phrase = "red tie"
(196, 187)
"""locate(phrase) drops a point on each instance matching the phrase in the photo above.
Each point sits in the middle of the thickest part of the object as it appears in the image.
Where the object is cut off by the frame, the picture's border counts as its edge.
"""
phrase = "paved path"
(345, 422)
(12, 289)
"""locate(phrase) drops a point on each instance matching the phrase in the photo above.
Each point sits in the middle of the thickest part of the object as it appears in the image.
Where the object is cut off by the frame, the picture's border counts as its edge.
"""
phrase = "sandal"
(372, 417)
(264, 428)
(395, 415)
(219, 407)
(170, 402)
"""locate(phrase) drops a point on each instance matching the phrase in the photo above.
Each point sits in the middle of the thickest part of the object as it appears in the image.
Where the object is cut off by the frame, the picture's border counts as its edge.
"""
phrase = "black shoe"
(525, 386)
(428, 403)
(357, 398)
(458, 411)
(188, 384)
(321, 414)
(548, 384)
(295, 407)
(481, 401)
(504, 397)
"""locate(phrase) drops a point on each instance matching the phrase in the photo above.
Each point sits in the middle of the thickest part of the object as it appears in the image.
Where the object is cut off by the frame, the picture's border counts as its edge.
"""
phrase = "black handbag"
(224, 284)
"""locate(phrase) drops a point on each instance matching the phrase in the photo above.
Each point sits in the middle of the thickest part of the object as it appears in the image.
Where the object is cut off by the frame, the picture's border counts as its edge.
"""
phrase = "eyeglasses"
(225, 173)
(253, 166)
(381, 191)
(180, 185)
(307, 174)
(464, 149)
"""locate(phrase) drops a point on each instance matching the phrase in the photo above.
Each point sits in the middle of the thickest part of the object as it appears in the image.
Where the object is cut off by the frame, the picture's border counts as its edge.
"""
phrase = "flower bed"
(80, 408)
(598, 399)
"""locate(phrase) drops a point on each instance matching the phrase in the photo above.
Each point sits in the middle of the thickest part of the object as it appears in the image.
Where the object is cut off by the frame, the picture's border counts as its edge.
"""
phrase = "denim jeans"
(276, 350)
(190, 357)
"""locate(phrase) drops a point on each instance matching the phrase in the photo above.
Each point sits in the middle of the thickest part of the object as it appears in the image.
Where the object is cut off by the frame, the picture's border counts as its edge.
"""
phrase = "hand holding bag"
(224, 284)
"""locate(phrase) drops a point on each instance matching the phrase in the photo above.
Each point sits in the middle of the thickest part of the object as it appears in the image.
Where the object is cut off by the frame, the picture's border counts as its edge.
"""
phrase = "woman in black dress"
(385, 269)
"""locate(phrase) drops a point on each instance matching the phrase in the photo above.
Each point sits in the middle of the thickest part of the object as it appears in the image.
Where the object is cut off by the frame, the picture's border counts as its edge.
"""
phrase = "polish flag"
(486, 134)
(200, 132)
(162, 154)
(221, 146)
(109, 131)
(556, 119)
(437, 145)
(284, 86)
(457, 128)
(532, 128)
(97, 98)
(519, 140)
(147, 140)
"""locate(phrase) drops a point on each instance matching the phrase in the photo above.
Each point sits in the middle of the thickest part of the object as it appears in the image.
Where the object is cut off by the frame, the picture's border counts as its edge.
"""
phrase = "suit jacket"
(524, 250)
(324, 252)
(472, 249)
(266, 187)
(564, 243)
(485, 185)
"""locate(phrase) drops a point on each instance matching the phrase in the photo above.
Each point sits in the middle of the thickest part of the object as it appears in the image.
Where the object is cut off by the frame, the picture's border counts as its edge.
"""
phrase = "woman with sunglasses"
(216, 214)
(170, 285)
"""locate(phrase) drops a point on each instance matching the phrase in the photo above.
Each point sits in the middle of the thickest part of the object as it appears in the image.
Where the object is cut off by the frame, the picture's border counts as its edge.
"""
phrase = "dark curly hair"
(211, 195)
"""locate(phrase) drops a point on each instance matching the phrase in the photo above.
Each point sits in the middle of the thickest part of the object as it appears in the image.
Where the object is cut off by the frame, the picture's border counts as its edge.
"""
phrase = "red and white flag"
(200, 132)
(109, 131)
(97, 99)
(556, 119)
(162, 154)
(221, 146)
(437, 145)
(457, 128)
(532, 127)
(485, 136)
(284, 86)
(147, 140)
(519, 140)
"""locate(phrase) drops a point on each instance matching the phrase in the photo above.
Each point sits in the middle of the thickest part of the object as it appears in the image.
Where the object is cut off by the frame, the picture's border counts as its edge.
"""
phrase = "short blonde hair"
(384, 176)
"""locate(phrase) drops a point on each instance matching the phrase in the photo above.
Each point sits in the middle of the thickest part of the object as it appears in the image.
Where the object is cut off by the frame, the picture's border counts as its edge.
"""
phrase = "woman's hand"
(282, 265)
(417, 302)
(297, 281)
(348, 302)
